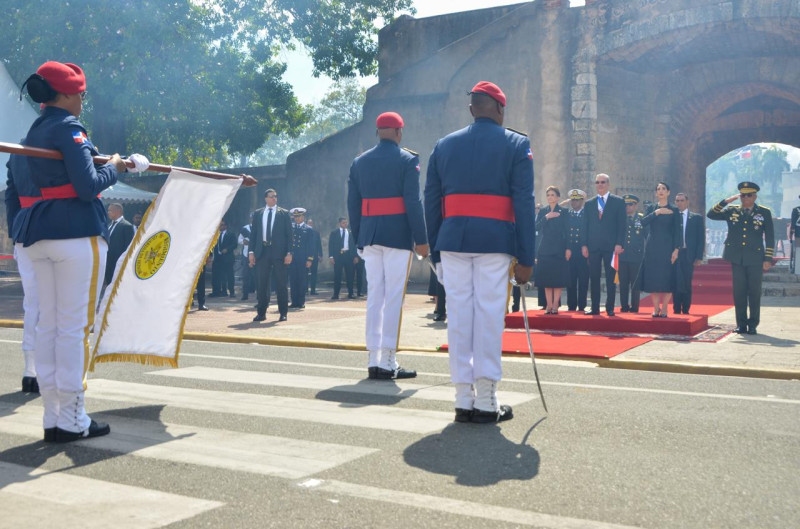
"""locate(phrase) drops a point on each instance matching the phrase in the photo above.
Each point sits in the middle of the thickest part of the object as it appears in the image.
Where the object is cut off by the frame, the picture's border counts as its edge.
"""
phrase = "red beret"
(491, 90)
(389, 120)
(65, 78)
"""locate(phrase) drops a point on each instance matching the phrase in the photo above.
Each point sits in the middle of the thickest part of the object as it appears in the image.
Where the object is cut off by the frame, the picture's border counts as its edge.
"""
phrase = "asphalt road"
(258, 436)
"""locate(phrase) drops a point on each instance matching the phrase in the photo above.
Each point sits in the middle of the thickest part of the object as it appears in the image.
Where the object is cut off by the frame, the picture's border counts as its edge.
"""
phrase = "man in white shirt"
(342, 253)
(690, 254)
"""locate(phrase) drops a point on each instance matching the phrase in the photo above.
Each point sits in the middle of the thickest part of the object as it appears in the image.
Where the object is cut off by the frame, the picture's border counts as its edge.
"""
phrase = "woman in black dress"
(552, 255)
(661, 250)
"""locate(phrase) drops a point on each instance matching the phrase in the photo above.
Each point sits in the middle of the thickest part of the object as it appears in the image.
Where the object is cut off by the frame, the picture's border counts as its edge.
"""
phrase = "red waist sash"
(371, 207)
(496, 207)
(27, 202)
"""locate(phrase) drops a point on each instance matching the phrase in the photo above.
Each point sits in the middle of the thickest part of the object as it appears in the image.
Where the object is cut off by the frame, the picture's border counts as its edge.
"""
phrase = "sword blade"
(530, 344)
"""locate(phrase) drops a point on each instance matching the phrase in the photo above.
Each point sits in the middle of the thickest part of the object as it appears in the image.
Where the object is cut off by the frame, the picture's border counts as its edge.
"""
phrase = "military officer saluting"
(387, 223)
(630, 260)
(749, 248)
(302, 257)
(479, 210)
(578, 284)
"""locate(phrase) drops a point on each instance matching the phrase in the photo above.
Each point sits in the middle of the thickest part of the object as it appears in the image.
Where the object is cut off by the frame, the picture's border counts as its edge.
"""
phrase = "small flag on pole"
(144, 309)
(615, 266)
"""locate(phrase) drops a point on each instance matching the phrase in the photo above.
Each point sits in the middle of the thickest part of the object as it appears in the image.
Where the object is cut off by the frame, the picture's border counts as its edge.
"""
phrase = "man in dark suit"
(342, 252)
(270, 245)
(316, 247)
(120, 235)
(604, 235)
(690, 254)
(222, 267)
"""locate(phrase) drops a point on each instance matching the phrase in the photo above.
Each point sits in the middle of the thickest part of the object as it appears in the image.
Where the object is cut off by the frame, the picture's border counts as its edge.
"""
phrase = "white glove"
(440, 273)
(140, 163)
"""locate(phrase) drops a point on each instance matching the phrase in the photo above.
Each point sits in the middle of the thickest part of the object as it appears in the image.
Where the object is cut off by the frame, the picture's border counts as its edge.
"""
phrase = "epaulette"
(409, 150)
(518, 132)
(764, 207)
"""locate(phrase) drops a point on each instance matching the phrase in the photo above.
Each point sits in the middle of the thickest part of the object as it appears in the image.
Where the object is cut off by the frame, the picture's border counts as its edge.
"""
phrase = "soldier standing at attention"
(387, 224)
(578, 284)
(302, 257)
(68, 257)
(479, 209)
(749, 248)
(630, 260)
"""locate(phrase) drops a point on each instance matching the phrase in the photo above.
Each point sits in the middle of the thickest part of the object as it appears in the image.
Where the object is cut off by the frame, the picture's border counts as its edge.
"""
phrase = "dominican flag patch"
(417, 167)
(530, 155)
(79, 137)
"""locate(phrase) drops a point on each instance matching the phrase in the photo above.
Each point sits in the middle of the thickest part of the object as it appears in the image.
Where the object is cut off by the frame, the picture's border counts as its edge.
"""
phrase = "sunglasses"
(83, 95)
(601, 182)
(745, 195)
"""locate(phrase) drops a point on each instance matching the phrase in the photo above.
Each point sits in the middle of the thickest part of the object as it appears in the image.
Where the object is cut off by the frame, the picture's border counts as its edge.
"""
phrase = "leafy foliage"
(191, 82)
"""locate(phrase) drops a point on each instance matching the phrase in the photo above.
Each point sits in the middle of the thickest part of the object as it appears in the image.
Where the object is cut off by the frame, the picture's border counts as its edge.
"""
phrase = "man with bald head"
(479, 210)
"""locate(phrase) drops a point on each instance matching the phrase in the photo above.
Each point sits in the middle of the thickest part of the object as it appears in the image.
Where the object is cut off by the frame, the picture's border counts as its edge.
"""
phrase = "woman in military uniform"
(552, 270)
(661, 250)
(66, 236)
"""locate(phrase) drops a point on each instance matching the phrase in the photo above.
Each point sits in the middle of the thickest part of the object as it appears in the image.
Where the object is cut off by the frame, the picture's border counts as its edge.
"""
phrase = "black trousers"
(441, 299)
(312, 276)
(200, 289)
(272, 272)
(361, 277)
(597, 262)
(630, 281)
(747, 291)
(342, 263)
(578, 285)
(298, 281)
(682, 292)
(248, 277)
(222, 279)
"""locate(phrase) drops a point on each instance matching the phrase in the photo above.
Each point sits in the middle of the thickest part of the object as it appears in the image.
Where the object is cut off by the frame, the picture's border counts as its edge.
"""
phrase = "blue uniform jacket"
(386, 171)
(19, 184)
(65, 218)
(302, 245)
(483, 158)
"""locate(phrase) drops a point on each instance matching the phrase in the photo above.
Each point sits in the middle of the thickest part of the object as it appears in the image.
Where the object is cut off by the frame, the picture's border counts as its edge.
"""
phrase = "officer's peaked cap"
(296, 212)
(630, 199)
(491, 90)
(576, 194)
(748, 187)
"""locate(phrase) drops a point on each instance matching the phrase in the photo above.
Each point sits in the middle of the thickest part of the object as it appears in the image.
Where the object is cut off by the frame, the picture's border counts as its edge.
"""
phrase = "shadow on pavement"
(477, 455)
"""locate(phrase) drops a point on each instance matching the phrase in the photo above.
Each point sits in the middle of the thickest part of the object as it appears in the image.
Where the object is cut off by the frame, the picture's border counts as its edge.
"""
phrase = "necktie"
(683, 221)
(269, 226)
(111, 227)
(219, 243)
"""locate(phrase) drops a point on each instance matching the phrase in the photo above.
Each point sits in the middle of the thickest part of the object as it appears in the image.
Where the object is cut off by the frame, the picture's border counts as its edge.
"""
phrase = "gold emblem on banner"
(152, 255)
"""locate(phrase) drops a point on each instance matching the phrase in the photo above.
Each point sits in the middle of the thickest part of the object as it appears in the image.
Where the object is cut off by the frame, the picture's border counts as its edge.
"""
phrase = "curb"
(636, 365)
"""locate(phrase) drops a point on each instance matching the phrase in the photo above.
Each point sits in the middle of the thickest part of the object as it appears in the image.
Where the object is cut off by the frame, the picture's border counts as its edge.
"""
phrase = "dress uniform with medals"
(749, 248)
(630, 260)
(387, 223)
(65, 235)
(578, 285)
(21, 194)
(479, 207)
(302, 257)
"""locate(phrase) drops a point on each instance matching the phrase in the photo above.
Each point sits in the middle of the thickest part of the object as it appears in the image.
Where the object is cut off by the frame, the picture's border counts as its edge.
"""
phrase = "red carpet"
(639, 323)
(568, 345)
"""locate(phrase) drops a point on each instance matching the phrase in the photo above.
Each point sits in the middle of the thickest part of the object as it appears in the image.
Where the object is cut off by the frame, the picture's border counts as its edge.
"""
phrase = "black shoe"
(741, 329)
(260, 317)
(463, 415)
(351, 296)
(214, 295)
(387, 374)
(50, 435)
(514, 308)
(440, 317)
(202, 307)
(610, 313)
(30, 385)
(96, 429)
(634, 310)
(751, 330)
(592, 312)
(244, 298)
(232, 295)
(483, 417)
(334, 297)
(282, 318)
(313, 292)
(624, 309)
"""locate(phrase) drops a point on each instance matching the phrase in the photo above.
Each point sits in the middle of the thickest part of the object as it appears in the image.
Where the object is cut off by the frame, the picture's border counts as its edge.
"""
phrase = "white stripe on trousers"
(387, 274)
(476, 286)
(68, 276)
(30, 308)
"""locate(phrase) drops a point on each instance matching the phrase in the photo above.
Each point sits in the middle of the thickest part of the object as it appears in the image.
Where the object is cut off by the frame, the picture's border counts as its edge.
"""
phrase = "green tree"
(191, 82)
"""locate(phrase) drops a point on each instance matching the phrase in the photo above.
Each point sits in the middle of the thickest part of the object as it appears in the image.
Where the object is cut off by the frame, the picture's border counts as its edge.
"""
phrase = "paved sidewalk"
(773, 353)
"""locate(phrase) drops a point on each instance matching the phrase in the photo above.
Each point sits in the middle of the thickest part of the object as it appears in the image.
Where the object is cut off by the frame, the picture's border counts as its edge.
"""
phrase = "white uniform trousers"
(69, 275)
(387, 275)
(30, 308)
(476, 285)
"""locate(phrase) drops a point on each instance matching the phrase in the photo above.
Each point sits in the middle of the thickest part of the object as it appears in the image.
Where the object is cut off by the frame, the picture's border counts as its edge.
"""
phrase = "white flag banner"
(145, 307)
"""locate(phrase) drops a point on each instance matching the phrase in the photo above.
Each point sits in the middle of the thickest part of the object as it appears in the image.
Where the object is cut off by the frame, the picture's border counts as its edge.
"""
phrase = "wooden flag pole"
(15, 148)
